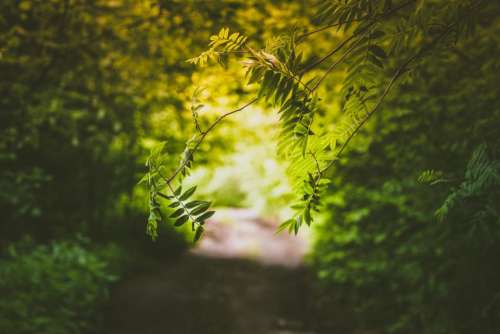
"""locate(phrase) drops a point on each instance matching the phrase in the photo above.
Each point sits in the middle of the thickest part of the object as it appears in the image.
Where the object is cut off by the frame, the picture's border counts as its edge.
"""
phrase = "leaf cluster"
(220, 44)
(375, 54)
(482, 175)
(160, 190)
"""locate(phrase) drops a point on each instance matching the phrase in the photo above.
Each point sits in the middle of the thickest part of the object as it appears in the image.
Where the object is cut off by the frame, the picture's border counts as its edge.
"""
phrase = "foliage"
(385, 41)
(68, 116)
(368, 95)
(220, 44)
(58, 288)
(482, 177)
(417, 253)
(418, 96)
(184, 210)
(87, 92)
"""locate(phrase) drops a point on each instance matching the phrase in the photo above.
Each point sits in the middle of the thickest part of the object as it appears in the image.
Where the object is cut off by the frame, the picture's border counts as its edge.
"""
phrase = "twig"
(203, 135)
(306, 34)
(182, 204)
(383, 15)
(328, 55)
(333, 65)
(316, 162)
(401, 70)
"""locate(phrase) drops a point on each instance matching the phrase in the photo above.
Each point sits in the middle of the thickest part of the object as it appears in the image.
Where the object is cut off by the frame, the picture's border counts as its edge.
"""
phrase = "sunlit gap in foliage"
(251, 194)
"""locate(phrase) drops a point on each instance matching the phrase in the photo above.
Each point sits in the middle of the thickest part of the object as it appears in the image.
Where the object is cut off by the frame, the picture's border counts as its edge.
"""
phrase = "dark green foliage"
(401, 268)
(482, 179)
(431, 177)
(79, 82)
(417, 253)
(59, 288)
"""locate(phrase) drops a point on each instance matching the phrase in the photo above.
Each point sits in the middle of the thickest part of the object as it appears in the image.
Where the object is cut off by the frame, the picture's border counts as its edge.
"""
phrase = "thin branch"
(307, 34)
(203, 135)
(296, 78)
(383, 15)
(190, 216)
(367, 117)
(316, 162)
(233, 51)
(333, 65)
(400, 71)
(328, 55)
(341, 45)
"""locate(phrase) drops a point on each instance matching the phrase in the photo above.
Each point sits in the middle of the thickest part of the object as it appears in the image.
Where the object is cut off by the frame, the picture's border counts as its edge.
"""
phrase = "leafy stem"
(334, 64)
(397, 74)
(202, 137)
(182, 204)
(372, 22)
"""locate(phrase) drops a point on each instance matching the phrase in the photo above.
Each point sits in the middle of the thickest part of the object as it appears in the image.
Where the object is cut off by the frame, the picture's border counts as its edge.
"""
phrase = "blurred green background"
(89, 87)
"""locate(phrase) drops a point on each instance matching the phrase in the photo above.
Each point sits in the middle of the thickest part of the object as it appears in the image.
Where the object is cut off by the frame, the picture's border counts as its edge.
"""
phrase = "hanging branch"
(397, 74)
(280, 81)
(204, 134)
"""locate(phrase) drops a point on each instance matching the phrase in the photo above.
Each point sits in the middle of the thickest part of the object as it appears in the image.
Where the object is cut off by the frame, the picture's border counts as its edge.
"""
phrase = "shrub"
(56, 288)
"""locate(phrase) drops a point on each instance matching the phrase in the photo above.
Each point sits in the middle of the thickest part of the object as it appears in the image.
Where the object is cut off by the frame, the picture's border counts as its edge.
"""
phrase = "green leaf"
(164, 196)
(298, 206)
(374, 60)
(152, 216)
(377, 34)
(296, 226)
(283, 226)
(200, 209)
(177, 213)
(198, 233)
(174, 204)
(324, 182)
(187, 193)
(307, 216)
(152, 229)
(362, 27)
(178, 190)
(378, 51)
(158, 148)
(181, 221)
(144, 178)
(192, 204)
(205, 216)
(196, 108)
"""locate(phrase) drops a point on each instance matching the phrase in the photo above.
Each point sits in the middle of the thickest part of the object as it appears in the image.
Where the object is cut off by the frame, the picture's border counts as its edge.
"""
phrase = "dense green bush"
(415, 252)
(54, 289)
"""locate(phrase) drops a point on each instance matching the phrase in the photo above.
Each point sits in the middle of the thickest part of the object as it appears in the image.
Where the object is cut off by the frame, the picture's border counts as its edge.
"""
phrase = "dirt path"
(242, 234)
(242, 278)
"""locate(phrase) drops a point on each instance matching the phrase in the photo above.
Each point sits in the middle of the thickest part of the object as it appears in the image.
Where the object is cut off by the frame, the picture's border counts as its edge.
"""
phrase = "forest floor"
(241, 278)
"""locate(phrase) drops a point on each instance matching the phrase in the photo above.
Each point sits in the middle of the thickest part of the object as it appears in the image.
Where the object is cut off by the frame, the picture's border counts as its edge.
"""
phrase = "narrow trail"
(241, 278)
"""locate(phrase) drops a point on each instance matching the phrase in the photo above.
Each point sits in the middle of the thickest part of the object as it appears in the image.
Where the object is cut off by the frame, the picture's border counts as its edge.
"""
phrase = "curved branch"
(400, 71)
(358, 127)
(204, 134)
(328, 55)
(382, 15)
(312, 32)
(341, 45)
(333, 65)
